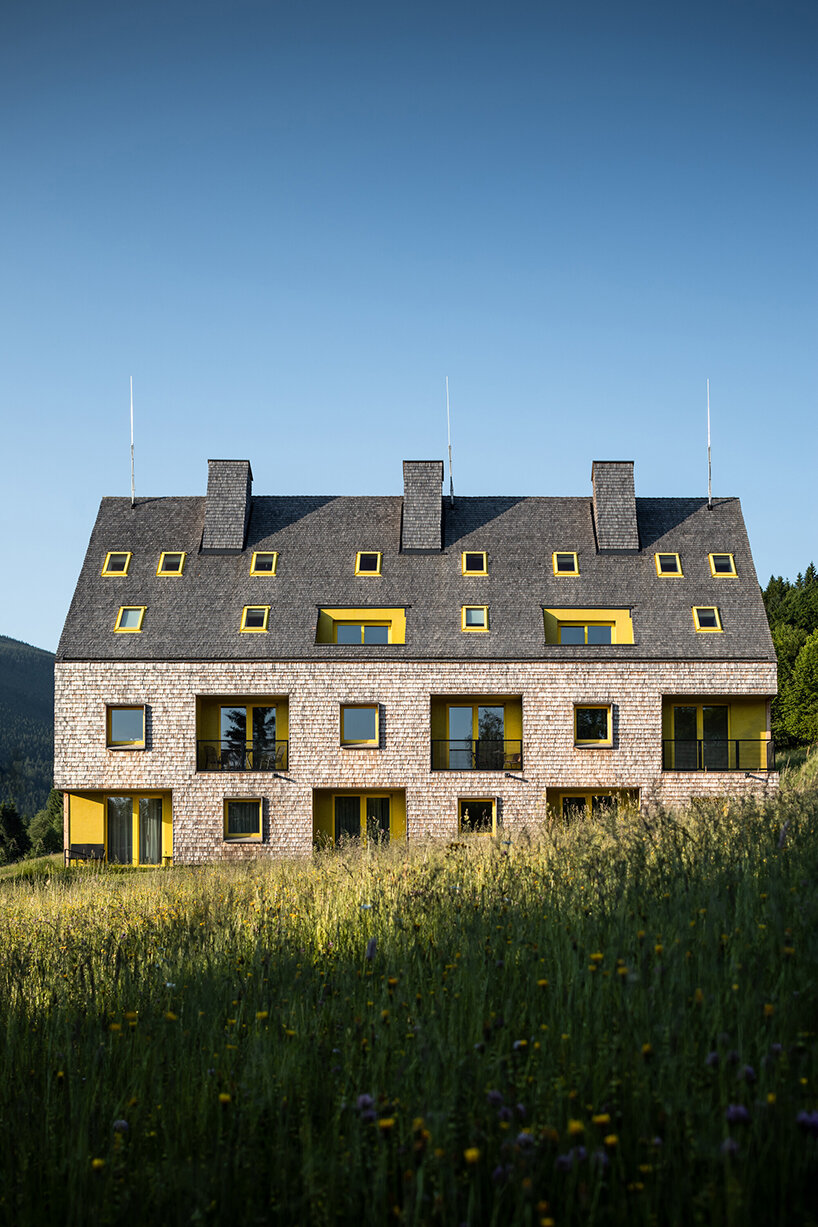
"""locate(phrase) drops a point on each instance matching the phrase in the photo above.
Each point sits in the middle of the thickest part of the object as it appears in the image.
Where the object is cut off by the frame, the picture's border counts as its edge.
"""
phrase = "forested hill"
(792, 609)
(26, 724)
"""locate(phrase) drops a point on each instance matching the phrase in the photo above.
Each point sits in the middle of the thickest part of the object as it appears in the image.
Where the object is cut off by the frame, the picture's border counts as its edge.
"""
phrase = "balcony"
(232, 756)
(482, 754)
(709, 754)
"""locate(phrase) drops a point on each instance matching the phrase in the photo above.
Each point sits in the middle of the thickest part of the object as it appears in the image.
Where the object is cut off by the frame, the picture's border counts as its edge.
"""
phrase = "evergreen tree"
(45, 831)
(13, 834)
(799, 706)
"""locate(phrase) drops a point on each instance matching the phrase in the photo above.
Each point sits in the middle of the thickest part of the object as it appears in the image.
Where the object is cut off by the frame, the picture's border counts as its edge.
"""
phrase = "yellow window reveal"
(588, 626)
(367, 562)
(706, 618)
(129, 619)
(171, 562)
(242, 818)
(474, 562)
(254, 619)
(565, 562)
(366, 625)
(264, 562)
(126, 727)
(723, 566)
(116, 563)
(359, 724)
(592, 724)
(474, 618)
(668, 565)
(477, 815)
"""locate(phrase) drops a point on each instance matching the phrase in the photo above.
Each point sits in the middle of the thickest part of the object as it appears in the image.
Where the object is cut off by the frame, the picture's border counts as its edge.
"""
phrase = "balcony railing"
(228, 756)
(708, 755)
(480, 755)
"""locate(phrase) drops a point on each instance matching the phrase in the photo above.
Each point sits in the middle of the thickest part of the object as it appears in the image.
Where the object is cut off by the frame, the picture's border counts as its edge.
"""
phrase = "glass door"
(685, 739)
(460, 738)
(347, 818)
(573, 808)
(264, 738)
(120, 830)
(233, 734)
(490, 749)
(377, 819)
(150, 830)
(716, 746)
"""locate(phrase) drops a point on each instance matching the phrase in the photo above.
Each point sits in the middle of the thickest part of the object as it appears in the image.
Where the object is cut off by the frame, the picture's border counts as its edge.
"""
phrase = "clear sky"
(290, 220)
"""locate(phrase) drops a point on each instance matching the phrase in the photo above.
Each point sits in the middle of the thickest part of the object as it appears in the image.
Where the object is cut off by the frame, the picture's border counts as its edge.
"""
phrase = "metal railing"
(462, 754)
(740, 754)
(228, 756)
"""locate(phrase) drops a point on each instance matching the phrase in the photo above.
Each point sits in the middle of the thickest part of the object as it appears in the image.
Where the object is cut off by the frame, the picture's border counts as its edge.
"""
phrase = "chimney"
(614, 506)
(227, 507)
(422, 524)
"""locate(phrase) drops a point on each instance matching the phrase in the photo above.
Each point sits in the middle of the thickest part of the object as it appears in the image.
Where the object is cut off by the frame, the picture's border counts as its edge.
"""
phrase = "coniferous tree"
(13, 834)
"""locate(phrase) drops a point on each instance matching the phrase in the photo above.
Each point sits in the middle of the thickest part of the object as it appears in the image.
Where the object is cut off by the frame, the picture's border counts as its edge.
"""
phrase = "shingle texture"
(614, 505)
(229, 485)
(422, 505)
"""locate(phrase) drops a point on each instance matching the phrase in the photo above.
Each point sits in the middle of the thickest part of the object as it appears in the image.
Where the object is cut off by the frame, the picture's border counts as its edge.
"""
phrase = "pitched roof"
(196, 616)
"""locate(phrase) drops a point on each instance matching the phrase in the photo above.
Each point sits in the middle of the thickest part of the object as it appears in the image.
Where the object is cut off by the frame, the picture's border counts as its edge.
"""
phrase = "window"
(254, 618)
(474, 562)
(592, 725)
(126, 728)
(367, 563)
(723, 565)
(706, 618)
(359, 724)
(586, 632)
(116, 563)
(361, 632)
(171, 563)
(477, 815)
(565, 564)
(367, 626)
(264, 562)
(242, 818)
(474, 618)
(668, 564)
(130, 618)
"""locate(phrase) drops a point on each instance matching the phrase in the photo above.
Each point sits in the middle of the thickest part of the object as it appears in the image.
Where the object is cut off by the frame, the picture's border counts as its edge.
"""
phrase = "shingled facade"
(242, 675)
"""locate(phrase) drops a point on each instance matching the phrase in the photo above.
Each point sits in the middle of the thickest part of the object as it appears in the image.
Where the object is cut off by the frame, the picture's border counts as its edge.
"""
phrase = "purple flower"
(656, 1142)
(776, 1049)
(808, 1121)
(525, 1141)
(500, 1174)
(363, 1102)
(495, 1098)
(737, 1114)
(371, 947)
(564, 1163)
(581, 1153)
(729, 1147)
(711, 1060)
(120, 1126)
(520, 1110)
(505, 1114)
(748, 1073)
(600, 1159)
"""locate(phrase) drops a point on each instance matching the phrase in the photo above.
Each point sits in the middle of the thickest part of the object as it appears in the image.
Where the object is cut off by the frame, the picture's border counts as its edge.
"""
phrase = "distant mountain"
(26, 724)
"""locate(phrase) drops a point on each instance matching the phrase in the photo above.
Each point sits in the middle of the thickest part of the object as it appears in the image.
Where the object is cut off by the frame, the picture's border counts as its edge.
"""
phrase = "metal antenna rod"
(133, 489)
(709, 468)
(449, 429)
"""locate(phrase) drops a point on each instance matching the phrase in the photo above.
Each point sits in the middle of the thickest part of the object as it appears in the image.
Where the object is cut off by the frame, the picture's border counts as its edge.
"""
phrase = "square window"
(722, 564)
(477, 815)
(474, 562)
(367, 563)
(706, 618)
(116, 563)
(474, 618)
(599, 634)
(359, 724)
(264, 562)
(126, 727)
(376, 634)
(254, 618)
(171, 563)
(242, 818)
(130, 618)
(592, 725)
(565, 563)
(668, 564)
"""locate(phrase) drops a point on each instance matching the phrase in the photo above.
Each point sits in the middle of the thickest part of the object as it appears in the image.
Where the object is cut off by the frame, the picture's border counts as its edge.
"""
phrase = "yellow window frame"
(584, 626)
(565, 554)
(678, 574)
(106, 566)
(129, 630)
(731, 574)
(162, 569)
(353, 743)
(483, 569)
(704, 630)
(109, 737)
(492, 801)
(254, 630)
(354, 622)
(166, 838)
(366, 573)
(464, 609)
(594, 741)
(243, 835)
(254, 569)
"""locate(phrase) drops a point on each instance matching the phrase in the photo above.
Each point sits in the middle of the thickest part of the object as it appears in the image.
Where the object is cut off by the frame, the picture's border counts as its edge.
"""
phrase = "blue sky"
(289, 221)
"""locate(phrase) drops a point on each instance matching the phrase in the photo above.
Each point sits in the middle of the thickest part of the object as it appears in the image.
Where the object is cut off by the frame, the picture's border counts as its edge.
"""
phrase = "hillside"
(26, 724)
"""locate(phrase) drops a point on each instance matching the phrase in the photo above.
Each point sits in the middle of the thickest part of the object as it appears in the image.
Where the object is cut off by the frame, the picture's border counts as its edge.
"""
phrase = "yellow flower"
(472, 1154)
(771, 1098)
(170, 1016)
(575, 1128)
(224, 1097)
(542, 984)
(602, 1118)
(698, 996)
(386, 1123)
(658, 948)
(611, 1140)
(262, 1014)
(598, 957)
(97, 1164)
(769, 1010)
(647, 1050)
(114, 1026)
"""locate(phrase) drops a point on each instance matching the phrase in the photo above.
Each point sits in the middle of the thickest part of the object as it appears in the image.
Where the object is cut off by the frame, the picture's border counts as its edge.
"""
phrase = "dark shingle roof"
(196, 616)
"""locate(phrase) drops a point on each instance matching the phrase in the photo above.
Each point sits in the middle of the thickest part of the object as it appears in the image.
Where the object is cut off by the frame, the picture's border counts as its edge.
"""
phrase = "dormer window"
(129, 619)
(264, 562)
(586, 632)
(565, 563)
(474, 562)
(723, 565)
(474, 618)
(668, 565)
(254, 619)
(116, 563)
(706, 618)
(171, 563)
(367, 562)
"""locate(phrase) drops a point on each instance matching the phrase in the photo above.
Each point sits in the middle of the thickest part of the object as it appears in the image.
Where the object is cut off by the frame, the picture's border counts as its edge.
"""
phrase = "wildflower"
(392, 981)
(120, 1126)
(261, 1015)
(170, 1016)
(114, 1026)
(505, 1115)
(808, 1122)
(729, 1147)
(542, 984)
(472, 1154)
(711, 1060)
(771, 1098)
(500, 1174)
(224, 1098)
(737, 1114)
(657, 949)
(363, 1102)
(647, 1050)
(524, 1140)
(575, 1128)
(600, 1159)
(748, 1073)
(495, 1098)
(386, 1123)
(698, 996)
(169, 985)
(371, 947)
(564, 1163)
(611, 1140)
(769, 1010)
(97, 1164)
(602, 1118)
(597, 957)
(518, 1045)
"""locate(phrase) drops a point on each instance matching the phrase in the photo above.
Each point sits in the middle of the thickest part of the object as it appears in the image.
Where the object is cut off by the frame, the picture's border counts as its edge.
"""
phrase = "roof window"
(264, 562)
(129, 619)
(254, 619)
(707, 618)
(171, 563)
(565, 563)
(474, 562)
(722, 565)
(474, 618)
(367, 562)
(116, 563)
(668, 565)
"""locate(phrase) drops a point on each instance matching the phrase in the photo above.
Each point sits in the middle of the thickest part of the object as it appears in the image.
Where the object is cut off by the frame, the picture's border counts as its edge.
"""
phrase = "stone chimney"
(614, 506)
(422, 524)
(227, 507)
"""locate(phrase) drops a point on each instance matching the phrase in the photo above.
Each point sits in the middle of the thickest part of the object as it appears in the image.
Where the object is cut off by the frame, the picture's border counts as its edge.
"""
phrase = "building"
(243, 675)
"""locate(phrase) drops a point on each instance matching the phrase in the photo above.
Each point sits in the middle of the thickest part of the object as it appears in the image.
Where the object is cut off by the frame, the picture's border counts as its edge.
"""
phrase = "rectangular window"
(592, 725)
(361, 632)
(706, 618)
(126, 727)
(586, 633)
(129, 619)
(477, 815)
(254, 618)
(242, 818)
(359, 724)
(171, 563)
(367, 563)
(565, 563)
(474, 562)
(474, 618)
(723, 565)
(264, 562)
(365, 625)
(116, 563)
(668, 564)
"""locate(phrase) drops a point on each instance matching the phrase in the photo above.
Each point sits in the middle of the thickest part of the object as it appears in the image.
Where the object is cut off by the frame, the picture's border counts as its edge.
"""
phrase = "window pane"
(572, 634)
(707, 616)
(723, 564)
(127, 724)
(264, 562)
(376, 634)
(347, 818)
(120, 830)
(599, 634)
(172, 562)
(264, 728)
(475, 617)
(573, 807)
(150, 830)
(377, 818)
(368, 562)
(477, 816)
(359, 723)
(592, 724)
(346, 632)
(604, 803)
(234, 726)
(491, 723)
(565, 562)
(254, 617)
(474, 562)
(668, 564)
(117, 562)
(243, 818)
(130, 619)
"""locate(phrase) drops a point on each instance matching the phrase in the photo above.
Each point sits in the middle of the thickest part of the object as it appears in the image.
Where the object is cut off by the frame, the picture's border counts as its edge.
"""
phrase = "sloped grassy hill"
(26, 724)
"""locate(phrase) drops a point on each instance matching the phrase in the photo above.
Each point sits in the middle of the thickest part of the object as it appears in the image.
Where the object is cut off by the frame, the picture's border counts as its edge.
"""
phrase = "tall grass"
(607, 1023)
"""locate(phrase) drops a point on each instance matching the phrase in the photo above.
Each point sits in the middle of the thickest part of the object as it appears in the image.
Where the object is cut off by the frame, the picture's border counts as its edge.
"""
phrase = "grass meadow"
(608, 1023)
